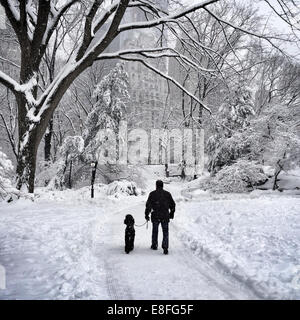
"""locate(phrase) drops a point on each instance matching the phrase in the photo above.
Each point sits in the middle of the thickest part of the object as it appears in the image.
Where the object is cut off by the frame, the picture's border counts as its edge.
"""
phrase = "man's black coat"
(161, 206)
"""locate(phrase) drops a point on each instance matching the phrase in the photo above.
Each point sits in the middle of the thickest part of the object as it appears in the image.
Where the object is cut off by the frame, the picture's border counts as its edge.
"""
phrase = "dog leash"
(142, 225)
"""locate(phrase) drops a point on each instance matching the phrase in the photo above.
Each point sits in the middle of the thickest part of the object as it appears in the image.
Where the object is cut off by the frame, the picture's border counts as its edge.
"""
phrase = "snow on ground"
(48, 246)
(148, 274)
(68, 246)
(46, 249)
(255, 237)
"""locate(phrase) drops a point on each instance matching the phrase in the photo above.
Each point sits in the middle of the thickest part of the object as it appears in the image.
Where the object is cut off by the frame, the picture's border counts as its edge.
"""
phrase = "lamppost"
(94, 168)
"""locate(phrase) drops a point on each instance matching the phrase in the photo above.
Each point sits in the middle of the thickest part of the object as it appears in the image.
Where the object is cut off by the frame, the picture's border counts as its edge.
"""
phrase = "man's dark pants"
(165, 229)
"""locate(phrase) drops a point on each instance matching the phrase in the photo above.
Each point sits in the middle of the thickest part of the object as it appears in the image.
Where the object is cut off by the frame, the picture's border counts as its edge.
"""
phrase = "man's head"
(159, 184)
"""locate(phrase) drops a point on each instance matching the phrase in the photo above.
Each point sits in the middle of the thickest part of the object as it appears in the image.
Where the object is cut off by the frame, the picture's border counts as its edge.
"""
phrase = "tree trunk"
(278, 170)
(275, 184)
(27, 162)
(30, 135)
(70, 175)
(48, 139)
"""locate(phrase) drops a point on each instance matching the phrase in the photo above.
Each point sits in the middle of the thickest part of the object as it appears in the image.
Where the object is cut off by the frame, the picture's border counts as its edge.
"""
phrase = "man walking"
(162, 207)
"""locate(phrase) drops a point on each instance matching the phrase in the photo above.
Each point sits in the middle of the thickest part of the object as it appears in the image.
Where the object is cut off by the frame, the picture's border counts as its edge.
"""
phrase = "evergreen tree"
(111, 95)
(227, 142)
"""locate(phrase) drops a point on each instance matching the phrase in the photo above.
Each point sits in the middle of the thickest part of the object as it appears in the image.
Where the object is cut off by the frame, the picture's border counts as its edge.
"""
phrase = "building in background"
(149, 104)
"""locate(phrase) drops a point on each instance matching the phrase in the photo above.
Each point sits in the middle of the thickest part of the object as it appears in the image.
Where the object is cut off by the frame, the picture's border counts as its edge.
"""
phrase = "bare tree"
(9, 121)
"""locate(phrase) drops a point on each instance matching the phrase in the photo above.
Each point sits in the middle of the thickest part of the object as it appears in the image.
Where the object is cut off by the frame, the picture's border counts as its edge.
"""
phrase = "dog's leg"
(132, 240)
(133, 237)
(127, 242)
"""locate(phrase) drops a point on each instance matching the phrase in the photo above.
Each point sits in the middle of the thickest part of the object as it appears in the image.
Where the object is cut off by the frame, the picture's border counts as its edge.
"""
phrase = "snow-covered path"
(148, 274)
(53, 250)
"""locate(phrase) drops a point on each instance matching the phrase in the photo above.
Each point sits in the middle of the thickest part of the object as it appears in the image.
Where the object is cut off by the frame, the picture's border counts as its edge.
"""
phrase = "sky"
(275, 23)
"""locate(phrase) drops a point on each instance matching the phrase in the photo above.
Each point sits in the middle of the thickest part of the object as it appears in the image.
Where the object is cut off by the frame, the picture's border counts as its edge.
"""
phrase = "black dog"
(129, 233)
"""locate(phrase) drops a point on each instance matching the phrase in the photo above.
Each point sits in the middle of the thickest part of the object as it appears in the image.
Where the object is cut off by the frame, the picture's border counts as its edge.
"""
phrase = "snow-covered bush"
(6, 168)
(122, 188)
(228, 150)
(241, 176)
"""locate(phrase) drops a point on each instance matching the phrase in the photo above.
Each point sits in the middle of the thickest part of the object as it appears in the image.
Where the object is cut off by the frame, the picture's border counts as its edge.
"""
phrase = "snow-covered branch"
(9, 62)
(249, 32)
(155, 53)
(166, 19)
(9, 82)
(10, 8)
(88, 34)
(160, 73)
(56, 15)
